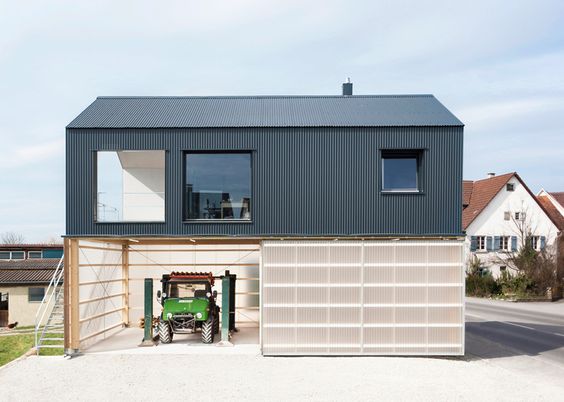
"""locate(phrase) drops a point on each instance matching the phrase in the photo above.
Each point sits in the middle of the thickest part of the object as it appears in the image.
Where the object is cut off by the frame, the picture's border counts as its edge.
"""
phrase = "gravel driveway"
(251, 377)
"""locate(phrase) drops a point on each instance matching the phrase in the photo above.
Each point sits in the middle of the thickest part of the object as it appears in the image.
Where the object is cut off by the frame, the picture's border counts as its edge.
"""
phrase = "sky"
(497, 65)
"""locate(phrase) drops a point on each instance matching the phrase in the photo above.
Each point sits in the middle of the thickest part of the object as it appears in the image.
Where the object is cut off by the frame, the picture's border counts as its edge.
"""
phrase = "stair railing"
(50, 296)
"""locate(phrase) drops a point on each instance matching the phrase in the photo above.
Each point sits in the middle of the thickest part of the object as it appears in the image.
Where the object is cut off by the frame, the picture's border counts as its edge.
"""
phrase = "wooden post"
(66, 294)
(74, 297)
(125, 283)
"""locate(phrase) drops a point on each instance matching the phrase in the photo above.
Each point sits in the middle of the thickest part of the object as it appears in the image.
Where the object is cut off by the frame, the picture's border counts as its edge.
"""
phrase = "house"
(553, 204)
(499, 213)
(25, 272)
(339, 215)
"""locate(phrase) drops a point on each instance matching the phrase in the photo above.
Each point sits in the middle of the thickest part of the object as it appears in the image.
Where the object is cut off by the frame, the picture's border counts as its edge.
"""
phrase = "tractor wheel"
(165, 334)
(207, 331)
(216, 324)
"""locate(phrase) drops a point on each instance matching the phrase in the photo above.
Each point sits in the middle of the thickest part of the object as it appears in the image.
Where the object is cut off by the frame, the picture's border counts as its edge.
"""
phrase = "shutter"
(513, 243)
(489, 245)
(473, 243)
(543, 242)
(497, 243)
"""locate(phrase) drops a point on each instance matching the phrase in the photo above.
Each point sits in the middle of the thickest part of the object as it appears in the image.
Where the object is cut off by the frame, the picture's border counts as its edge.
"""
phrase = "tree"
(12, 238)
(535, 269)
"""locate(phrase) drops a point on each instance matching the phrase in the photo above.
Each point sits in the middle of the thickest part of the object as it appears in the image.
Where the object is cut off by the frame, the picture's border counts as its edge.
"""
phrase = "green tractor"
(189, 304)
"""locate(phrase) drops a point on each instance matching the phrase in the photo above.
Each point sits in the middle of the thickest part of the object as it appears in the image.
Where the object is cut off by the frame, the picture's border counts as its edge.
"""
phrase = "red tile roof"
(467, 186)
(551, 210)
(479, 194)
(559, 196)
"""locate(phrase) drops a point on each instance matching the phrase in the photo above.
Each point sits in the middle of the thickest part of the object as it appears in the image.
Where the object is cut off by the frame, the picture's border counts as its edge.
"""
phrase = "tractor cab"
(189, 304)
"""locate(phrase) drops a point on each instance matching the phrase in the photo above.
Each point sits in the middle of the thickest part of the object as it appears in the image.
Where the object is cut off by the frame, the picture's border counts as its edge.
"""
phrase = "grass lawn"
(13, 346)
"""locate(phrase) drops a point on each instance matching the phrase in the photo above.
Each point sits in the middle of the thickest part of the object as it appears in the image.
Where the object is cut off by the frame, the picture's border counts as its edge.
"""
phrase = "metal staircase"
(49, 320)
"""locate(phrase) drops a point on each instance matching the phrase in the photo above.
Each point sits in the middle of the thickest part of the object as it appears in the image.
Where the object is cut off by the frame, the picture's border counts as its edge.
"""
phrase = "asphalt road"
(518, 336)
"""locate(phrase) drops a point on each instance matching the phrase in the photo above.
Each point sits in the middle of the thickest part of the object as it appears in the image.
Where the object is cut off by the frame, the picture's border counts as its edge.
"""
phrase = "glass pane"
(36, 294)
(4, 255)
(34, 254)
(18, 255)
(130, 186)
(400, 173)
(218, 186)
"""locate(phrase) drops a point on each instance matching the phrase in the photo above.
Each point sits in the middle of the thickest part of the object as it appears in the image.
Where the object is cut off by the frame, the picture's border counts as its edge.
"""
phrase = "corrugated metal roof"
(265, 111)
(38, 271)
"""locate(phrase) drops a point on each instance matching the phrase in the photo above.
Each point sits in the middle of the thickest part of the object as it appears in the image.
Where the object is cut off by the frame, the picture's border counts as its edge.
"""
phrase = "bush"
(518, 285)
(479, 281)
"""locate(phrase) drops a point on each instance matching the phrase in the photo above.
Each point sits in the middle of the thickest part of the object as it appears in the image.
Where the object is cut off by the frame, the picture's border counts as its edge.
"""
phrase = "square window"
(218, 186)
(36, 294)
(400, 171)
(510, 187)
(130, 186)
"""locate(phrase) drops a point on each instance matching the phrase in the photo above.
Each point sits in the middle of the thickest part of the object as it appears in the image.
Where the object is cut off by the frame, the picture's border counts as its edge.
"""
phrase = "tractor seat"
(200, 293)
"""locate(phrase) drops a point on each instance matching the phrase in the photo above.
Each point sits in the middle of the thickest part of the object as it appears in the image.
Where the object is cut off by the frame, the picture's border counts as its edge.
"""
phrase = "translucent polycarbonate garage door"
(362, 297)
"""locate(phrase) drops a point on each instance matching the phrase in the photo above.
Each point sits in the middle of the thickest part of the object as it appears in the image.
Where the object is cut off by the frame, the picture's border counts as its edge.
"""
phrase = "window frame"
(507, 240)
(186, 152)
(510, 186)
(11, 257)
(535, 242)
(29, 294)
(34, 251)
(395, 153)
(94, 186)
(481, 241)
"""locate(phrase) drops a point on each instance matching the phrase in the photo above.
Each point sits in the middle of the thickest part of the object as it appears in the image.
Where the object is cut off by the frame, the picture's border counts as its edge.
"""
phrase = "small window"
(12, 255)
(400, 171)
(36, 294)
(507, 215)
(505, 243)
(34, 254)
(535, 242)
(218, 186)
(480, 243)
(510, 187)
(502, 268)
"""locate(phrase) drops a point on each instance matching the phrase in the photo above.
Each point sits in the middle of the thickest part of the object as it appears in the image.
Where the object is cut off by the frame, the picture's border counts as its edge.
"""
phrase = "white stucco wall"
(20, 309)
(491, 222)
(143, 194)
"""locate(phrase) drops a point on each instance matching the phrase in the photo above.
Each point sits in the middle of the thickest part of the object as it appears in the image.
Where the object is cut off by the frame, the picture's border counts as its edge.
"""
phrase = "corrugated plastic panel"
(367, 297)
(265, 111)
(305, 181)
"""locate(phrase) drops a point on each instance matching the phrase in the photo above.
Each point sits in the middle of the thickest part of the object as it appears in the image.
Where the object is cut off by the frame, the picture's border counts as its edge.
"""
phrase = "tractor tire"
(165, 334)
(207, 331)
(216, 324)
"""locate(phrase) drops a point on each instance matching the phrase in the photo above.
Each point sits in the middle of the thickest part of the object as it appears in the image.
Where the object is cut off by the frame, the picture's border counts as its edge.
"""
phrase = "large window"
(130, 186)
(400, 171)
(218, 186)
(36, 294)
(12, 255)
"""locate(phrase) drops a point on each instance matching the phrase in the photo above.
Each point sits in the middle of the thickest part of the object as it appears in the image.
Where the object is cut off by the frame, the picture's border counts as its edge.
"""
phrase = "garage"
(362, 297)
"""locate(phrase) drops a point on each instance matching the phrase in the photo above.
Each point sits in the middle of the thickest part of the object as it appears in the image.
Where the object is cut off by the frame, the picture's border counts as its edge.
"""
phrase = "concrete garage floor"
(127, 341)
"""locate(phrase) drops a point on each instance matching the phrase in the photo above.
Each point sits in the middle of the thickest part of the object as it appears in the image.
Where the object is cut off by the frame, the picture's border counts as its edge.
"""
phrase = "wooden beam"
(100, 298)
(125, 283)
(101, 248)
(66, 294)
(74, 296)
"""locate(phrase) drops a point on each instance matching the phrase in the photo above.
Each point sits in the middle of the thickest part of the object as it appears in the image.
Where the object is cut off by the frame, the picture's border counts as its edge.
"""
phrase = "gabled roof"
(552, 211)
(467, 186)
(559, 197)
(265, 111)
(34, 271)
(483, 191)
(479, 194)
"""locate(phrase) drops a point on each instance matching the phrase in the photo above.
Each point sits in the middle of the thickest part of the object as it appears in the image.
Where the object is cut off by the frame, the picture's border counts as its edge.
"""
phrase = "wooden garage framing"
(103, 278)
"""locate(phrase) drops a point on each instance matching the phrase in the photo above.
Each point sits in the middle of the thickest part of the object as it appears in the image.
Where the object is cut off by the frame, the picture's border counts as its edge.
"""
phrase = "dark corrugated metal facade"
(309, 181)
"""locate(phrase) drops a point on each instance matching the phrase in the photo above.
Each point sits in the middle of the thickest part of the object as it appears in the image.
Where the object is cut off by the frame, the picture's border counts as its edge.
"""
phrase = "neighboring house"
(498, 214)
(553, 203)
(340, 216)
(25, 272)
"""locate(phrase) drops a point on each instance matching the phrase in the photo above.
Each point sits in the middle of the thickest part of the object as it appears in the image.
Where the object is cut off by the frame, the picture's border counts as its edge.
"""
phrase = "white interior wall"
(143, 185)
